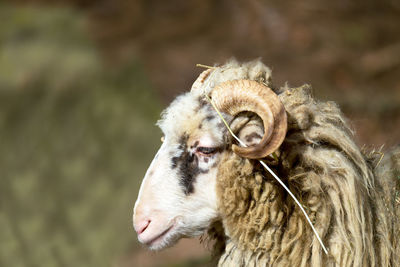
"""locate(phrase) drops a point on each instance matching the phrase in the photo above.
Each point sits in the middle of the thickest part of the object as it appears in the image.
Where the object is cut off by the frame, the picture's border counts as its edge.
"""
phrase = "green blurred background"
(82, 83)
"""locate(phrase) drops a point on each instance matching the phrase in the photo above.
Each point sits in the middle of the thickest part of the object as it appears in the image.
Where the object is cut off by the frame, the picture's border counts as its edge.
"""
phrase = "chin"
(165, 240)
(171, 237)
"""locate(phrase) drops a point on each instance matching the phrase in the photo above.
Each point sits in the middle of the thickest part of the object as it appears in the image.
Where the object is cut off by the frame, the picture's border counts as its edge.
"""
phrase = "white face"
(178, 194)
(177, 197)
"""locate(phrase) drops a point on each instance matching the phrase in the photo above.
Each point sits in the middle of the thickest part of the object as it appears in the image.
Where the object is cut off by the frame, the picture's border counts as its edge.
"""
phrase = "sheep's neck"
(255, 216)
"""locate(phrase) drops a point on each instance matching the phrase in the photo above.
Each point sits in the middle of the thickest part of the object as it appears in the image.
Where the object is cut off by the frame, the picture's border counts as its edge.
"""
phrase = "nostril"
(142, 226)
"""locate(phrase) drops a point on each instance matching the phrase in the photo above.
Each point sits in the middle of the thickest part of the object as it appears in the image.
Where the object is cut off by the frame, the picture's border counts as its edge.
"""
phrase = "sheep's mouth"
(152, 242)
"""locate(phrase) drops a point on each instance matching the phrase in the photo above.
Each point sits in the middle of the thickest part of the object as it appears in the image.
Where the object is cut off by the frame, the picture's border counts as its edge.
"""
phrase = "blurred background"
(82, 83)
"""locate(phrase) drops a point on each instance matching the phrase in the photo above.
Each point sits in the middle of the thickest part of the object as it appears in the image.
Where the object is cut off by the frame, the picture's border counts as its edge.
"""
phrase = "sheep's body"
(196, 182)
(353, 208)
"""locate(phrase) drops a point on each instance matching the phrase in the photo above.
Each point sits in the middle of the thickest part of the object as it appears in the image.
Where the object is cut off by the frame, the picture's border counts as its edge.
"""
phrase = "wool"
(233, 70)
(352, 204)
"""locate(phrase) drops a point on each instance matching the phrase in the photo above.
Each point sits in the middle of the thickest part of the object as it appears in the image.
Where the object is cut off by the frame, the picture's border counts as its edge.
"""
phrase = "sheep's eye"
(207, 150)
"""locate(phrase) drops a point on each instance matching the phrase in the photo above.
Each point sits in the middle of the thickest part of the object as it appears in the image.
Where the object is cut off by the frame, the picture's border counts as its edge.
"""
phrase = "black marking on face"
(210, 117)
(204, 171)
(188, 171)
(202, 102)
(187, 165)
(174, 161)
(182, 147)
(195, 144)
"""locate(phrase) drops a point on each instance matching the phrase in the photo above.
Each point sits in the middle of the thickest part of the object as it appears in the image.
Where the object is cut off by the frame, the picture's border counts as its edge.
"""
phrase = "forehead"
(191, 115)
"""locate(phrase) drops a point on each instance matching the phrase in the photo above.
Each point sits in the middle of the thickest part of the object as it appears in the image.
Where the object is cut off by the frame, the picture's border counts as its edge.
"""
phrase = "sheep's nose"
(141, 226)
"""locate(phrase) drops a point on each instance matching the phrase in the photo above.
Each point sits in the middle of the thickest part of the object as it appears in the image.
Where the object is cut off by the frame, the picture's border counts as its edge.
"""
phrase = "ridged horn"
(200, 80)
(235, 96)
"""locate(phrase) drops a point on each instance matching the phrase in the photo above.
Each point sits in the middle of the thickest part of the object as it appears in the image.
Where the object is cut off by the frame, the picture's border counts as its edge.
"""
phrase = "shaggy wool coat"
(351, 197)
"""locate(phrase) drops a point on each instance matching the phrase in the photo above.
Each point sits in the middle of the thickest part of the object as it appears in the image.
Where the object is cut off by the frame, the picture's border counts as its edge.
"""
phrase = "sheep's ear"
(248, 127)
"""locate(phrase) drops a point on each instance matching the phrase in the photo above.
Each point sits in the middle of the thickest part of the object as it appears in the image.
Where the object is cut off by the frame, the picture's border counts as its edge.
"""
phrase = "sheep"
(202, 182)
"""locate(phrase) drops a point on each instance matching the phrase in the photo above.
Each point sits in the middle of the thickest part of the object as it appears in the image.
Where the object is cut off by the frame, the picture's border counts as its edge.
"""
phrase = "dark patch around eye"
(188, 167)
(207, 150)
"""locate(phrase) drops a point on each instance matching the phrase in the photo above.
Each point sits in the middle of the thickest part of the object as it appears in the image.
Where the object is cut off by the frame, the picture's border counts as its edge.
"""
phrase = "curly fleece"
(353, 207)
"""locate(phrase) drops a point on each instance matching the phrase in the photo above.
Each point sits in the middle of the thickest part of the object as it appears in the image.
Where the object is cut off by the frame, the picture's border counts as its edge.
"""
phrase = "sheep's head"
(178, 195)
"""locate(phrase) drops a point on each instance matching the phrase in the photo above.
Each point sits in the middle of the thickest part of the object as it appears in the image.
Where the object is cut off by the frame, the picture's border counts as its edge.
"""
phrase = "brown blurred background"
(82, 83)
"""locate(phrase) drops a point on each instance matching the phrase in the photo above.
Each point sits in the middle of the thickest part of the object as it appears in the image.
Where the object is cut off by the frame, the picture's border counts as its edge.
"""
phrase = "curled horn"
(235, 96)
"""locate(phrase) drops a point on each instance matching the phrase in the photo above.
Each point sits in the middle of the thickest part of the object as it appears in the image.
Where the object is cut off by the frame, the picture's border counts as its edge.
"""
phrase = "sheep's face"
(177, 197)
